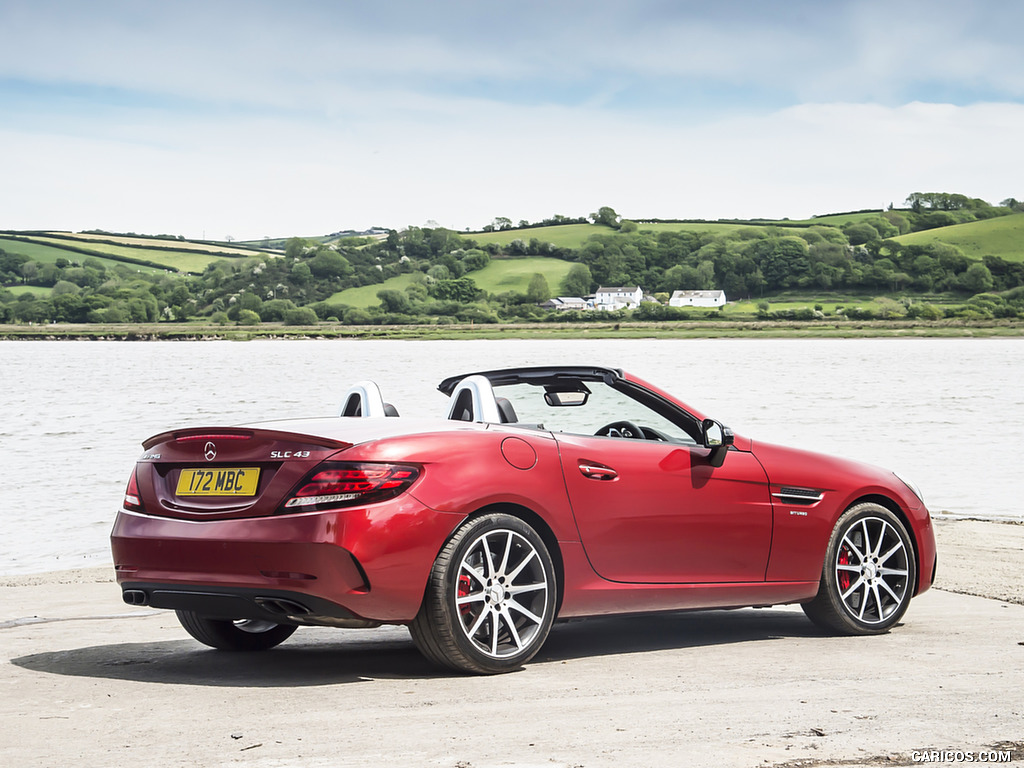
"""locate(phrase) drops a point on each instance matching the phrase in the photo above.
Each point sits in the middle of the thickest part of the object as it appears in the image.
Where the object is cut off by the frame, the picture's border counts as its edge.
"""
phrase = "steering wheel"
(621, 429)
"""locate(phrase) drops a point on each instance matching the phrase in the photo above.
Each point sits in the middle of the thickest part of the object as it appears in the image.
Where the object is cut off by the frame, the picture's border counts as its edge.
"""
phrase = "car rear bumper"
(261, 603)
(361, 564)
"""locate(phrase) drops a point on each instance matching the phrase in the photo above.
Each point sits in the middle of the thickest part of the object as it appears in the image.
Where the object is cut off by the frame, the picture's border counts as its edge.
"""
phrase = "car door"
(651, 511)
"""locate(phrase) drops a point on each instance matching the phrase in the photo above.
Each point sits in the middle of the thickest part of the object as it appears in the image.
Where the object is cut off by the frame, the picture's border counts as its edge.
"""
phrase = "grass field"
(837, 220)
(748, 308)
(48, 254)
(1003, 237)
(156, 243)
(366, 295)
(563, 236)
(35, 290)
(503, 275)
(500, 276)
(714, 227)
(828, 306)
(575, 235)
(186, 261)
(700, 329)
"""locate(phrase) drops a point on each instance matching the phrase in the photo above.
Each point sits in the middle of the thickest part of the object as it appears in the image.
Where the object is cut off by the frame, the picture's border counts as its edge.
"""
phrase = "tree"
(300, 316)
(898, 221)
(706, 276)
(295, 247)
(356, 316)
(607, 216)
(578, 281)
(69, 308)
(924, 311)
(977, 278)
(394, 301)
(63, 286)
(274, 310)
(538, 290)
(460, 289)
(439, 272)
(475, 259)
(301, 274)
(861, 233)
(328, 264)
(30, 270)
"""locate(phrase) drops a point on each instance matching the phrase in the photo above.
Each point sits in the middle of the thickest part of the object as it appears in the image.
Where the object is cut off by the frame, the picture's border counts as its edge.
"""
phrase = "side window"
(604, 406)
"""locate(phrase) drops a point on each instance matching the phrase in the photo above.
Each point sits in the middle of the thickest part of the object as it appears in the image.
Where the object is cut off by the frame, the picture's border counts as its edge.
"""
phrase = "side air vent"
(805, 496)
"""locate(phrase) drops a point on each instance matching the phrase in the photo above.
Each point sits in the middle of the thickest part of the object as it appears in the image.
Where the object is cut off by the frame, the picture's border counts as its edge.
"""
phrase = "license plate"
(234, 481)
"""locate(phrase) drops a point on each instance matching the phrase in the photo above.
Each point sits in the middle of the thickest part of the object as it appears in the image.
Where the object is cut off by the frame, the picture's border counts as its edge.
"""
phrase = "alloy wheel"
(502, 593)
(872, 570)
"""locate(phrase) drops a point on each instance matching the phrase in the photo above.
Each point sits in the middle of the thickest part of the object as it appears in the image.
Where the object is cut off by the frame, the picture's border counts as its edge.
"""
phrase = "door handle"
(598, 471)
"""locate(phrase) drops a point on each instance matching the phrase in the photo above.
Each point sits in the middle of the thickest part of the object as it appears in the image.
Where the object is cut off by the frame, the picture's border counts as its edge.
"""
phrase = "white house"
(697, 299)
(618, 298)
(565, 303)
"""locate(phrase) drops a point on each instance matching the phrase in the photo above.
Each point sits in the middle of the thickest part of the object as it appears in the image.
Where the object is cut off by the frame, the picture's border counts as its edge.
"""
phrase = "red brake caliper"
(844, 576)
(465, 584)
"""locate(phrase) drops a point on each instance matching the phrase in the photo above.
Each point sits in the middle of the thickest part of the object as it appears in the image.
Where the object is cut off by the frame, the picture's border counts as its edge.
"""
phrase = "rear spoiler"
(238, 433)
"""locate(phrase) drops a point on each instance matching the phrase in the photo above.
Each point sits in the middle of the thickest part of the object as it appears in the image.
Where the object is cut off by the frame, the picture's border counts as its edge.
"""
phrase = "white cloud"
(239, 118)
(251, 178)
(312, 55)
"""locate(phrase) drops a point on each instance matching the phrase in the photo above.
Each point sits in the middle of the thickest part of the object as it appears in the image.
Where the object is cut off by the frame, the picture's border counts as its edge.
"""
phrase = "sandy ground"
(88, 681)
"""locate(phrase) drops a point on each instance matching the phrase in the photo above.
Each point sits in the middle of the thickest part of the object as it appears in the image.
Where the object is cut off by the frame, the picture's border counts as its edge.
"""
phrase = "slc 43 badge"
(289, 454)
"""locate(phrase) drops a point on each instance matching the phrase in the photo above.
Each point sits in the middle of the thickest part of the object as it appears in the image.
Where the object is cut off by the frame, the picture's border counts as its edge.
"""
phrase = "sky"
(228, 119)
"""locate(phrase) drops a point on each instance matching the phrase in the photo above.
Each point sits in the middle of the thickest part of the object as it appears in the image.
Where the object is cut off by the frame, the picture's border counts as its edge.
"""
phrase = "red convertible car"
(546, 493)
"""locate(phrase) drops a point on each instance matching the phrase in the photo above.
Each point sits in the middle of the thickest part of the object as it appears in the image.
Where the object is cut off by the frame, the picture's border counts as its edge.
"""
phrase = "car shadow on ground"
(617, 635)
(312, 656)
(316, 656)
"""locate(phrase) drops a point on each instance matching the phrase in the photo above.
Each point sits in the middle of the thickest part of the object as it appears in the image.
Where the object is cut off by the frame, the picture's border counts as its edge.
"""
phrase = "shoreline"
(96, 682)
(686, 329)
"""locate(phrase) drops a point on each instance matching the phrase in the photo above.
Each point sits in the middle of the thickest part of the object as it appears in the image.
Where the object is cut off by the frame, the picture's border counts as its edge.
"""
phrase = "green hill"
(714, 227)
(561, 235)
(366, 295)
(500, 276)
(137, 252)
(35, 290)
(48, 254)
(575, 235)
(503, 275)
(1002, 237)
(792, 265)
(836, 219)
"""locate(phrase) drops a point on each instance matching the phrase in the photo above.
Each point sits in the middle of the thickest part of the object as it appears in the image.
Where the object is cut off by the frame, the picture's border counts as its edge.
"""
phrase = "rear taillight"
(336, 484)
(132, 500)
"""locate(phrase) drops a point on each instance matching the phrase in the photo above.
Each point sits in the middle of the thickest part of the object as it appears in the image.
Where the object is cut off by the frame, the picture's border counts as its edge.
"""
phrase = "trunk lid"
(220, 473)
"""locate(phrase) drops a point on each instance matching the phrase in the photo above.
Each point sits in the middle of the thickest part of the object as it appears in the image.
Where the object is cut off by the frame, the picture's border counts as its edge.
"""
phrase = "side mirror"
(718, 438)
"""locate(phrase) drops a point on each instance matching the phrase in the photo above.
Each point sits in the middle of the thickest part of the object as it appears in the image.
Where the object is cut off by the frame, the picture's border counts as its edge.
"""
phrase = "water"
(948, 413)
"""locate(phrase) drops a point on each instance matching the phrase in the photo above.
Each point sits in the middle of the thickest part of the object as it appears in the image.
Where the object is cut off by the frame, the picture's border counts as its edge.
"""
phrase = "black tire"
(240, 635)
(869, 573)
(490, 599)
